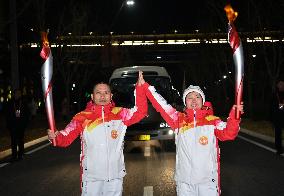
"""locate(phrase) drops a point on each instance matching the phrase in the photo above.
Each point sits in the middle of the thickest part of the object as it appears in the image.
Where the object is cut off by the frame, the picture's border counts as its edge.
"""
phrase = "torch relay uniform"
(197, 133)
(102, 130)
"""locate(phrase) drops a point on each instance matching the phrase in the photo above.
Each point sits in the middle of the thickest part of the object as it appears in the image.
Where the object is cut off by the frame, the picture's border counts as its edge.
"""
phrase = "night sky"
(145, 17)
(80, 17)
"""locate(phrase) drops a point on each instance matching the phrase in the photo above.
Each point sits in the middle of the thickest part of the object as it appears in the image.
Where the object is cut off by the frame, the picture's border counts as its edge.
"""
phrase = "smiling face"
(193, 100)
(101, 94)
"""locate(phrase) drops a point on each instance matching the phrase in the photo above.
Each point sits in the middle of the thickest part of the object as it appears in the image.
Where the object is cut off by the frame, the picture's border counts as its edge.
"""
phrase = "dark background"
(201, 64)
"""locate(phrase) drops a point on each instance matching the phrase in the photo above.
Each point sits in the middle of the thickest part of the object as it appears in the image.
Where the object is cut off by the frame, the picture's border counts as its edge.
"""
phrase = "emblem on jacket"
(203, 140)
(114, 134)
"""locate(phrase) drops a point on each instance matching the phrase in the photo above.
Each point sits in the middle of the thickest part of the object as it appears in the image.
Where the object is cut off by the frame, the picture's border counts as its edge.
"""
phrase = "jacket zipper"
(194, 118)
(106, 136)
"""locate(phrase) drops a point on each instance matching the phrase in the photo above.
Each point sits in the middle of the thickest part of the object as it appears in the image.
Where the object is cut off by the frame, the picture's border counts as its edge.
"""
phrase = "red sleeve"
(169, 114)
(139, 111)
(227, 131)
(70, 133)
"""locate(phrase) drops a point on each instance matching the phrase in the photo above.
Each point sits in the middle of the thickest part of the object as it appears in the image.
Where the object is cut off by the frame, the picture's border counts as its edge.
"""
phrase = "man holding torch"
(101, 127)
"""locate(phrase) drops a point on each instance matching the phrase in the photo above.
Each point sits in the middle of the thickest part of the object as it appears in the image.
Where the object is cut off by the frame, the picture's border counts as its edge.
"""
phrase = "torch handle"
(50, 116)
(49, 109)
(239, 93)
(52, 128)
(238, 114)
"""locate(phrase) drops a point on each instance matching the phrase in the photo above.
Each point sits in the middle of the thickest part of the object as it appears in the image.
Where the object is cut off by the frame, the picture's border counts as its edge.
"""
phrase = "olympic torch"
(237, 48)
(46, 79)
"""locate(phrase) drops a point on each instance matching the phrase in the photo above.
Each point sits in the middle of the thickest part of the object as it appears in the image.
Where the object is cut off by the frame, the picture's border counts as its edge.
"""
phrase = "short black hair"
(101, 83)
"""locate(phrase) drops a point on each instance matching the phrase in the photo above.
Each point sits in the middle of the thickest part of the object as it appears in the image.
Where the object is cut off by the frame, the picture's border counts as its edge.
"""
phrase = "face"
(101, 94)
(18, 94)
(280, 86)
(193, 100)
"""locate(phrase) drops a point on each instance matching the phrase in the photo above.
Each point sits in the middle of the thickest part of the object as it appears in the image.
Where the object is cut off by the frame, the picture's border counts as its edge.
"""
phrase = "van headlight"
(171, 132)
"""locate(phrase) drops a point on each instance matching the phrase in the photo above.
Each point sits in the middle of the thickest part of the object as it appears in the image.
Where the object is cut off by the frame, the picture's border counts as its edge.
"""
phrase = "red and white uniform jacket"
(102, 130)
(197, 134)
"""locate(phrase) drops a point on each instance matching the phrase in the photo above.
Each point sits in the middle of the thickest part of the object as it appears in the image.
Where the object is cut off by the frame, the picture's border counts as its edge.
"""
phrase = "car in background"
(152, 127)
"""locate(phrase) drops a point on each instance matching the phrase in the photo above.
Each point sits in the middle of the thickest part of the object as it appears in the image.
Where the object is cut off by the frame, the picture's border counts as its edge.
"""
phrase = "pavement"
(263, 141)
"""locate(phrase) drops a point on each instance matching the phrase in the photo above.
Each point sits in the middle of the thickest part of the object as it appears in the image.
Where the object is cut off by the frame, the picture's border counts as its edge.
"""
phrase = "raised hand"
(140, 80)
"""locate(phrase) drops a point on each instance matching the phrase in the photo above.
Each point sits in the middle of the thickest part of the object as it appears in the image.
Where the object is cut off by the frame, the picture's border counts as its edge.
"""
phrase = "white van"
(152, 127)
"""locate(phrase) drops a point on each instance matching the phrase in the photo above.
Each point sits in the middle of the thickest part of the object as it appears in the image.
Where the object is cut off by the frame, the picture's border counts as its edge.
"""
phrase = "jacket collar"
(97, 109)
(199, 113)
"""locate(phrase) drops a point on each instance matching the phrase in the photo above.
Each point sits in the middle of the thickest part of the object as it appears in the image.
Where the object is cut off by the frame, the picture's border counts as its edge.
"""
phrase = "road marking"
(258, 135)
(3, 164)
(147, 151)
(29, 152)
(259, 144)
(31, 143)
(38, 148)
(148, 191)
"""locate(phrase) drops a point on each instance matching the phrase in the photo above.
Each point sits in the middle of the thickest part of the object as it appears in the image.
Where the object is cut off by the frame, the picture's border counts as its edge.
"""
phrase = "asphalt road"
(246, 170)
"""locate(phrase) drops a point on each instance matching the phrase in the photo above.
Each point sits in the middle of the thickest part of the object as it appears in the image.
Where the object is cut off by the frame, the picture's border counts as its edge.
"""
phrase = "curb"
(258, 135)
(8, 152)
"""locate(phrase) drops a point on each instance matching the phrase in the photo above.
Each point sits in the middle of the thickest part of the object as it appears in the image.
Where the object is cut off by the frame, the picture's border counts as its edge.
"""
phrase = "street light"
(129, 3)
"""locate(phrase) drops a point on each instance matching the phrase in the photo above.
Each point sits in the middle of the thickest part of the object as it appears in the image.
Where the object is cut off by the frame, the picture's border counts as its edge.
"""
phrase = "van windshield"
(123, 89)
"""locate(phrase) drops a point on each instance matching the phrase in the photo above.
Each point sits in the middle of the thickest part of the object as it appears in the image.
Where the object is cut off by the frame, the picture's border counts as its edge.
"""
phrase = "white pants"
(202, 189)
(102, 188)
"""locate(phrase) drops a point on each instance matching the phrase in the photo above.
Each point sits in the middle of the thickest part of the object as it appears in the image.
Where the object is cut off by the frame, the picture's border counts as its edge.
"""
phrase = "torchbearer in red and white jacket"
(102, 127)
(197, 133)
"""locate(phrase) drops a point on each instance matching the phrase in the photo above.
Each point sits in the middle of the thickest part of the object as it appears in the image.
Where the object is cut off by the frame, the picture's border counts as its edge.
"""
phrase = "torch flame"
(45, 46)
(231, 14)
(44, 39)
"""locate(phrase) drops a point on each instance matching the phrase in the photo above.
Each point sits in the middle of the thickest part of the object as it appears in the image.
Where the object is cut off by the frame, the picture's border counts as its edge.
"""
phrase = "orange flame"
(231, 14)
(44, 39)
